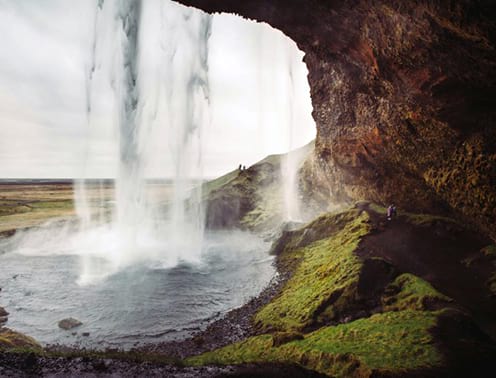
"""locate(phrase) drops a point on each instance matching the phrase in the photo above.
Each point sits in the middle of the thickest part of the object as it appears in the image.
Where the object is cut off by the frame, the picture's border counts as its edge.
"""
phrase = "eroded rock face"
(404, 97)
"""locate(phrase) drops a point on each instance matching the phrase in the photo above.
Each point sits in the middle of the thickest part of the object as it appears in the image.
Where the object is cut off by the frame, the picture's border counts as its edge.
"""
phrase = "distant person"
(244, 167)
(240, 167)
(391, 211)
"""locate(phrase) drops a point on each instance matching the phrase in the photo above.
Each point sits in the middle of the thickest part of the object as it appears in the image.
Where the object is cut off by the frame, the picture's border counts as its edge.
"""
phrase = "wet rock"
(3, 313)
(69, 323)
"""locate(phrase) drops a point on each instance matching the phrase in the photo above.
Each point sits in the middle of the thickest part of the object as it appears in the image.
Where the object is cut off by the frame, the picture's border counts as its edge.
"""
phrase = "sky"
(259, 95)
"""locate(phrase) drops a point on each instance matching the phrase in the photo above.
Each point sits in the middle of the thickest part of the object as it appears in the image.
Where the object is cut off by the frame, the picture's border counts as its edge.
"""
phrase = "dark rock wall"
(404, 97)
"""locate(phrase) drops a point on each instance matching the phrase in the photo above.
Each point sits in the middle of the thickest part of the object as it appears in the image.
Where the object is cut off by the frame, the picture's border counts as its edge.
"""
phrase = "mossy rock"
(326, 273)
(14, 341)
(392, 342)
(413, 293)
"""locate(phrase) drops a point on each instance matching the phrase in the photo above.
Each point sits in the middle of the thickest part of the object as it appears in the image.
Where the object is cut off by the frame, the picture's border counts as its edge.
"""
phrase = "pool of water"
(145, 302)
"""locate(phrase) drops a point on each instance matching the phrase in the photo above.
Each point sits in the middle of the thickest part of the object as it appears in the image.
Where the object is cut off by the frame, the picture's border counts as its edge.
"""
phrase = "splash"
(154, 89)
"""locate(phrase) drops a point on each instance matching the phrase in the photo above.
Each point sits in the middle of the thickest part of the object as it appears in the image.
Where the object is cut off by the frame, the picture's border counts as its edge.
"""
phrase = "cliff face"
(404, 97)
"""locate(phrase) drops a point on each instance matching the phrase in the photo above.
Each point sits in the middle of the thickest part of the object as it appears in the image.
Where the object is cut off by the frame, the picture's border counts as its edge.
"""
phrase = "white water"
(290, 163)
(158, 72)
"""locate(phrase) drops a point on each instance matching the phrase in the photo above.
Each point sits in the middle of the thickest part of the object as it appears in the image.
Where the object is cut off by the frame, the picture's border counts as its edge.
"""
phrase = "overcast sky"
(46, 46)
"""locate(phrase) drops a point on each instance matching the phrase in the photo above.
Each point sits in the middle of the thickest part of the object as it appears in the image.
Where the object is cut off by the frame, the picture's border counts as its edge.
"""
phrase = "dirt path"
(436, 252)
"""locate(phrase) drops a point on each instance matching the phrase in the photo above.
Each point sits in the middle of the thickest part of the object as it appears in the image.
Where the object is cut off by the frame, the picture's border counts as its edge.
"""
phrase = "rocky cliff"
(404, 97)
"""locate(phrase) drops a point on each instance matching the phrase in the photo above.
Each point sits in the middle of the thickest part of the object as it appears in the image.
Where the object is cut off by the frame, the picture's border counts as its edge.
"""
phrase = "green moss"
(322, 227)
(411, 292)
(389, 342)
(15, 342)
(326, 277)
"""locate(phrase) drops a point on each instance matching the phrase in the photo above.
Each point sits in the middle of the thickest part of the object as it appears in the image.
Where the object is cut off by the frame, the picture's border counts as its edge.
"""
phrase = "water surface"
(145, 302)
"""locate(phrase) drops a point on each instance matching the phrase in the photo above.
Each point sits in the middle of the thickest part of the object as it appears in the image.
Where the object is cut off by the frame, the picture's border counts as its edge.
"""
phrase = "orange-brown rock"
(404, 97)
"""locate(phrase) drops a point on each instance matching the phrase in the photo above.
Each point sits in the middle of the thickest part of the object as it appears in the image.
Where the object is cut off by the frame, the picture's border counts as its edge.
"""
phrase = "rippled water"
(143, 303)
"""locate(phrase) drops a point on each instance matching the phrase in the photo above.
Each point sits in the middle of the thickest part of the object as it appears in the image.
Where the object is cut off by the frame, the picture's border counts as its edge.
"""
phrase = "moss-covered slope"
(343, 314)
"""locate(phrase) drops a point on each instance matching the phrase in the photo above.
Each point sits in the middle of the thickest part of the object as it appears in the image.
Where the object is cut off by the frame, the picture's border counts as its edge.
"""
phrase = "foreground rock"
(69, 323)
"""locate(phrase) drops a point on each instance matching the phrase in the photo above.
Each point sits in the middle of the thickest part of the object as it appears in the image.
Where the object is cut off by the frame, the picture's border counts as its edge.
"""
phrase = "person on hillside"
(391, 212)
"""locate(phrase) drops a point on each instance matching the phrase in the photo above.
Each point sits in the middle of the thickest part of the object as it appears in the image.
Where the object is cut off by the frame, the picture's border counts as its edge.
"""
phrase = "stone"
(69, 323)
(3, 313)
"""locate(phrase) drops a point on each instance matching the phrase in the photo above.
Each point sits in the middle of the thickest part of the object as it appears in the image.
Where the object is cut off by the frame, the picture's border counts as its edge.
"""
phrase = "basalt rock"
(404, 97)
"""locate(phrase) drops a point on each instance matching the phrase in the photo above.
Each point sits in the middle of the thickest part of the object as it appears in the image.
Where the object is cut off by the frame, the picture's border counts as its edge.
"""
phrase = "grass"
(25, 206)
(327, 269)
(409, 292)
(387, 342)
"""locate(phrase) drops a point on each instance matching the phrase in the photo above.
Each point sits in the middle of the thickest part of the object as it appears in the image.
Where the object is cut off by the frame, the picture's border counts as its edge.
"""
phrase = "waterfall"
(158, 72)
(290, 161)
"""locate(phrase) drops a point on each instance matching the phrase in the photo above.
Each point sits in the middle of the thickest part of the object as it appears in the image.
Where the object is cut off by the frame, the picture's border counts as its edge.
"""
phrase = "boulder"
(69, 323)
(3, 313)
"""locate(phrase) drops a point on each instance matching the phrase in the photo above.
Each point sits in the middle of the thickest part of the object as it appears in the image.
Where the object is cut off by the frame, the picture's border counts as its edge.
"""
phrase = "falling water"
(290, 162)
(155, 89)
